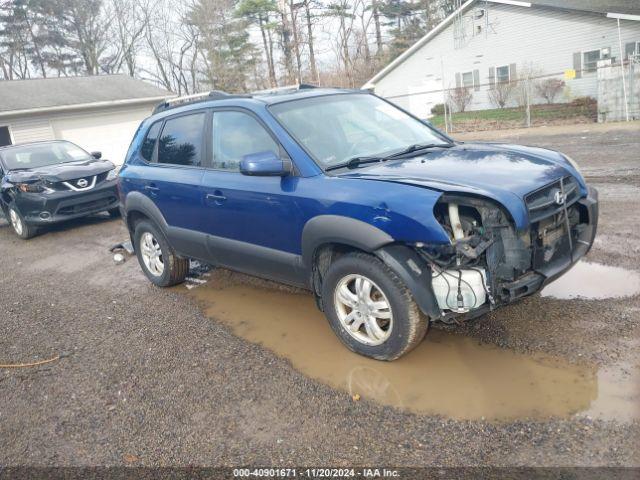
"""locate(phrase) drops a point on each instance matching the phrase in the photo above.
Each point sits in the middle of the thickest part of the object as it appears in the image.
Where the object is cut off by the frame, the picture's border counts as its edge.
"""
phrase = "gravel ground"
(146, 379)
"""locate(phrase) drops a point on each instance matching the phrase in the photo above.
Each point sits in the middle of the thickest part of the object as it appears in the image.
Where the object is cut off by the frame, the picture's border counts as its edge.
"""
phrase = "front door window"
(235, 135)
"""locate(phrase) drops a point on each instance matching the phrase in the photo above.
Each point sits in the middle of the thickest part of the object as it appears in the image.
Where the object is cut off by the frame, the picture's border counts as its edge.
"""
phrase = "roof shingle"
(68, 91)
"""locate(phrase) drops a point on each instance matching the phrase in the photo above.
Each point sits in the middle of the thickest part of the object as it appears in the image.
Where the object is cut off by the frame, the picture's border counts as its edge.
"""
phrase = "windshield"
(42, 155)
(337, 128)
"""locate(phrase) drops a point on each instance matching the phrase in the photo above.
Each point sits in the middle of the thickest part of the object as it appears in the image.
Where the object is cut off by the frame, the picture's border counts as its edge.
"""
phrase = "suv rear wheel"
(156, 257)
(370, 308)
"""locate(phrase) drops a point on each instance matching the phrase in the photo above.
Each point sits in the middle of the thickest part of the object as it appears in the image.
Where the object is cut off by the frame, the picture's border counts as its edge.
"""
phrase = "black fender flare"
(415, 273)
(137, 202)
(325, 229)
(402, 259)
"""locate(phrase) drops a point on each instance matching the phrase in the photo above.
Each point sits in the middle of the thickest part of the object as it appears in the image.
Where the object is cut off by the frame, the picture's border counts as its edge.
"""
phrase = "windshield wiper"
(355, 162)
(417, 148)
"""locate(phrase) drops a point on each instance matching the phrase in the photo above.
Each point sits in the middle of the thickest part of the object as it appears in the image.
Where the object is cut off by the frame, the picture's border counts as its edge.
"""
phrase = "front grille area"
(87, 207)
(552, 198)
(65, 186)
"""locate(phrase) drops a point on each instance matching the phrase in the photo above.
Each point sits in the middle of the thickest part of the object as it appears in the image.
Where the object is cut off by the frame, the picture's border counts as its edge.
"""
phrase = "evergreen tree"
(226, 44)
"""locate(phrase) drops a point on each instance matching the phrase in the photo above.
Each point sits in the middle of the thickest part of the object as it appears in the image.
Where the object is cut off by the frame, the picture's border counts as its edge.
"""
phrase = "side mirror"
(96, 155)
(264, 164)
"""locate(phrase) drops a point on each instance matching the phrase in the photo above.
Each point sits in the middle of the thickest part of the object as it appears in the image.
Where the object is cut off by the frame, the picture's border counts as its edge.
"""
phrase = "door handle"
(151, 188)
(216, 197)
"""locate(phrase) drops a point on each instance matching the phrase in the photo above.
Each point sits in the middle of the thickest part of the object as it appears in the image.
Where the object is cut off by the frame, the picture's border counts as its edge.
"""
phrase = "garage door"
(109, 133)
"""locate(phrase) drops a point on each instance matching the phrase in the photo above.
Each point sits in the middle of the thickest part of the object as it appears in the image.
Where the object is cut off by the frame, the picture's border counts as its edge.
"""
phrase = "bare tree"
(549, 88)
(310, 40)
(460, 97)
(365, 16)
(342, 10)
(501, 93)
(85, 25)
(173, 40)
(375, 12)
(129, 26)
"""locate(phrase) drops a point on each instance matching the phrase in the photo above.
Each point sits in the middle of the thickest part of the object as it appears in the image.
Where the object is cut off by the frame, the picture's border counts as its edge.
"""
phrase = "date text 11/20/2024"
(315, 473)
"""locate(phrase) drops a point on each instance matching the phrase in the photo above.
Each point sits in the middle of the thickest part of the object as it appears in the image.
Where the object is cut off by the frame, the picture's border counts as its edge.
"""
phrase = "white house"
(99, 113)
(489, 41)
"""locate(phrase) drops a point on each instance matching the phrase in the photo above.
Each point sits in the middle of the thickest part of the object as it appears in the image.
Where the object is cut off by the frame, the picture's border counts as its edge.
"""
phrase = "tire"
(21, 228)
(399, 334)
(114, 213)
(174, 269)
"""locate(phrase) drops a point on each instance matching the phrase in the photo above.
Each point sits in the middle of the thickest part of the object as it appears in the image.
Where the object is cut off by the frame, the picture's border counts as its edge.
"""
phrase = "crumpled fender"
(415, 273)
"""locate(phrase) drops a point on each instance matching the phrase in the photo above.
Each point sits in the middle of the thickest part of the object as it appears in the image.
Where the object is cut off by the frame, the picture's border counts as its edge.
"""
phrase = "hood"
(504, 173)
(60, 172)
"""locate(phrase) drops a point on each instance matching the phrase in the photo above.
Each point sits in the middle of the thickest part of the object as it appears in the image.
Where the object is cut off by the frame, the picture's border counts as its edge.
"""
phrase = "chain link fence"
(533, 98)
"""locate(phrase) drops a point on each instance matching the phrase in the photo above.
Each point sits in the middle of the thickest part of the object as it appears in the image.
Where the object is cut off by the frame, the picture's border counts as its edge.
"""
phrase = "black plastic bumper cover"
(45, 209)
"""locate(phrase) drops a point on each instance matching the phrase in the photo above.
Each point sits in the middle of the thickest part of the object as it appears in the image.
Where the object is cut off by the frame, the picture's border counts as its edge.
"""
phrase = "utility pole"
(624, 80)
(444, 96)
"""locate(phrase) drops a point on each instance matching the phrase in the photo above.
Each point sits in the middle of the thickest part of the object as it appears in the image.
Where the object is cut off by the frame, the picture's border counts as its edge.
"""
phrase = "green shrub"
(438, 109)
(584, 102)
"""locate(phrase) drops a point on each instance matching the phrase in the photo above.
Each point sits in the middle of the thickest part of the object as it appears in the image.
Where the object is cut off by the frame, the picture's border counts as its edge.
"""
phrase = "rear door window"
(181, 140)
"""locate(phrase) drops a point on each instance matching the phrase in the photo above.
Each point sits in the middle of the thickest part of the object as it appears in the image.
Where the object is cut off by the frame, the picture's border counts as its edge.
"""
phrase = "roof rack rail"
(284, 89)
(193, 98)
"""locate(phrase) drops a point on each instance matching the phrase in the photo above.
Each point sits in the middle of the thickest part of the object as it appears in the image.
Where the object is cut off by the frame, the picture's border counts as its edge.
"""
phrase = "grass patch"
(514, 117)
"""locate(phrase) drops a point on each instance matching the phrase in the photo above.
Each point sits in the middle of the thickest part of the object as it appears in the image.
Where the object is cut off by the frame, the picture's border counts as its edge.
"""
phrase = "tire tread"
(417, 323)
(177, 267)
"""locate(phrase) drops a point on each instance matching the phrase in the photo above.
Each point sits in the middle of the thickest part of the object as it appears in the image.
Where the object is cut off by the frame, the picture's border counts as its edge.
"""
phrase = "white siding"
(541, 38)
(31, 130)
(108, 130)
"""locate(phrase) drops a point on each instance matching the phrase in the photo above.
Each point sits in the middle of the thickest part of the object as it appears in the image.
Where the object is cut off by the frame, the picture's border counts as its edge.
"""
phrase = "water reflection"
(594, 281)
(450, 375)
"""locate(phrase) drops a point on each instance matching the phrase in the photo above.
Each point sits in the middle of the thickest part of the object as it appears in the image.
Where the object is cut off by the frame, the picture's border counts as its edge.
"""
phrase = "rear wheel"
(20, 227)
(370, 308)
(156, 257)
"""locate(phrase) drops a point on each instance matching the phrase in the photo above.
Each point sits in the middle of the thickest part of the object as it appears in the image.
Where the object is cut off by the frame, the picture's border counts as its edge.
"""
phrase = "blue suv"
(389, 222)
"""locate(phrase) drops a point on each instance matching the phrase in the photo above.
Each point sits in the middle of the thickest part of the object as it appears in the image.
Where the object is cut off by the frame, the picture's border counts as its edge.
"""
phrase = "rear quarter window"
(149, 142)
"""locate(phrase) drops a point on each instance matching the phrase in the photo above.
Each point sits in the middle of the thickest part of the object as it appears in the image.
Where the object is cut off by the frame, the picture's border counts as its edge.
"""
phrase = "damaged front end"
(489, 262)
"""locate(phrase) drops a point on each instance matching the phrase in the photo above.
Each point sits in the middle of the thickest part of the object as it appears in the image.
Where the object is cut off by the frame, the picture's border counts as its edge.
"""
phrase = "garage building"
(98, 113)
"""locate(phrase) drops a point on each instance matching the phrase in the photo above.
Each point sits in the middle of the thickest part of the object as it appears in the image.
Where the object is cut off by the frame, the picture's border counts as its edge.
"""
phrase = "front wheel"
(20, 227)
(156, 257)
(370, 309)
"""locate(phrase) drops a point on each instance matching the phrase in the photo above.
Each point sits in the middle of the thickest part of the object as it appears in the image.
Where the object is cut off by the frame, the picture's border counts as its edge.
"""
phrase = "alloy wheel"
(363, 309)
(16, 223)
(151, 254)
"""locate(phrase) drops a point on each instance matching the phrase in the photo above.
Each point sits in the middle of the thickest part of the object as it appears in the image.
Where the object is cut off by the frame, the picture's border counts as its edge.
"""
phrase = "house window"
(5, 137)
(590, 60)
(467, 79)
(502, 74)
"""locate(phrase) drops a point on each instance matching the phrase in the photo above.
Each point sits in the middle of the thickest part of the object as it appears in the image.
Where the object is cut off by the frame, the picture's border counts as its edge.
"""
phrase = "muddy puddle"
(594, 281)
(450, 375)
